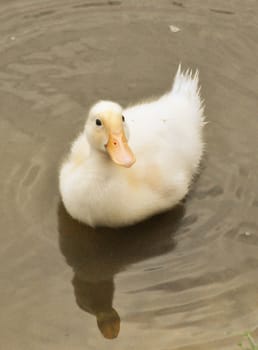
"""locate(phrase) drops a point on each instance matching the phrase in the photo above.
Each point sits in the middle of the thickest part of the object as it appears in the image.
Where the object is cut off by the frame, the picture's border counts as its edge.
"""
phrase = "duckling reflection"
(97, 255)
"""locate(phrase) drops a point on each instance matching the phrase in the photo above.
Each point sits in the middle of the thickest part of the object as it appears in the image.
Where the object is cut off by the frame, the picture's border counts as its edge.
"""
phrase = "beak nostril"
(114, 143)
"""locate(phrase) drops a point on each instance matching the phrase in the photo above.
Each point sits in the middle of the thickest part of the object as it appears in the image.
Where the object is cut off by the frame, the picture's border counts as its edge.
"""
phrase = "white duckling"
(130, 164)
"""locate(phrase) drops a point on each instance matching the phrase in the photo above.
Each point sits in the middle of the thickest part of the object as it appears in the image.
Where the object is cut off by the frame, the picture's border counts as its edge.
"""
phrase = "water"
(184, 280)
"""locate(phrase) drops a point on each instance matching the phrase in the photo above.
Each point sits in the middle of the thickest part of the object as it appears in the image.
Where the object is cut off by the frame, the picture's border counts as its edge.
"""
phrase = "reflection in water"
(96, 298)
(97, 255)
(66, 54)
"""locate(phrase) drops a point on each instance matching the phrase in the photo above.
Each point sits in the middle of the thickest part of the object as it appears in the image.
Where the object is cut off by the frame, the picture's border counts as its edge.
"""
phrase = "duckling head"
(107, 131)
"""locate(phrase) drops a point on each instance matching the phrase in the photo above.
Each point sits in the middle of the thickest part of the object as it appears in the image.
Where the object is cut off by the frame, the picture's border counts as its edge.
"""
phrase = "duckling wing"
(179, 113)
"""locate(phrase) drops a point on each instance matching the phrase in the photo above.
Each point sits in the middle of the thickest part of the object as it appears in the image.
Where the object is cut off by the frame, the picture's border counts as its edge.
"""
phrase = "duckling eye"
(98, 122)
(123, 118)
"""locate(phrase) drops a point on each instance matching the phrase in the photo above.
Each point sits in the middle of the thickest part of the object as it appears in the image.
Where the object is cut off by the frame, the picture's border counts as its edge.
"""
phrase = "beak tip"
(127, 163)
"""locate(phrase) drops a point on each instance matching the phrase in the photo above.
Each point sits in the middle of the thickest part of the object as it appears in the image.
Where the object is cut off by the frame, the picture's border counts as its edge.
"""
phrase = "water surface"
(184, 280)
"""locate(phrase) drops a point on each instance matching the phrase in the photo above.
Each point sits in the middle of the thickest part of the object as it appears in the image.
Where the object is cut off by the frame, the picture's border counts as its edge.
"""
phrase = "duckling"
(130, 164)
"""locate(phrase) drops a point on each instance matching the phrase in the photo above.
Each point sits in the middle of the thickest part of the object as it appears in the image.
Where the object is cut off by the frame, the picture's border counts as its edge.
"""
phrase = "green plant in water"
(251, 345)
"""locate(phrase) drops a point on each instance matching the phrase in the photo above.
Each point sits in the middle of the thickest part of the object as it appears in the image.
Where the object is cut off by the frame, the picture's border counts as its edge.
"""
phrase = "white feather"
(166, 138)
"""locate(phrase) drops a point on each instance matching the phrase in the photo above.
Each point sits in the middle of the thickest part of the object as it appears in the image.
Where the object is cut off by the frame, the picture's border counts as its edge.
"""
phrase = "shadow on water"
(97, 255)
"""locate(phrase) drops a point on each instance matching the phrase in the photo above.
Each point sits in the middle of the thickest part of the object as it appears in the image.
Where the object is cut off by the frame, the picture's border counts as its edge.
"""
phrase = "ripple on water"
(183, 280)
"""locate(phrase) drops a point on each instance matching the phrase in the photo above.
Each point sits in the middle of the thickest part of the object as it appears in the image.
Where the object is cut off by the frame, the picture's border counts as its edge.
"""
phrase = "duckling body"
(112, 180)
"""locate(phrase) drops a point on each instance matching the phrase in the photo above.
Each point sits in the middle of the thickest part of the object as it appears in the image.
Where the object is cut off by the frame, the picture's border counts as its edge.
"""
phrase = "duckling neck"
(100, 158)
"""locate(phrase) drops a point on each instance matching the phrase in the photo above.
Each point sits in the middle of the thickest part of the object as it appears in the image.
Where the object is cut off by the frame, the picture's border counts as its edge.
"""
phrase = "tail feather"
(187, 84)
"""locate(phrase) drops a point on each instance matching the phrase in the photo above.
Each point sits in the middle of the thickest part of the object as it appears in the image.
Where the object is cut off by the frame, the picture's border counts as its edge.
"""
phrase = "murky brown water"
(184, 280)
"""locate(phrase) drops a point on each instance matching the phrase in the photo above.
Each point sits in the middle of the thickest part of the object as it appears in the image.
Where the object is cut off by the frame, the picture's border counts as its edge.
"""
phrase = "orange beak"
(118, 149)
